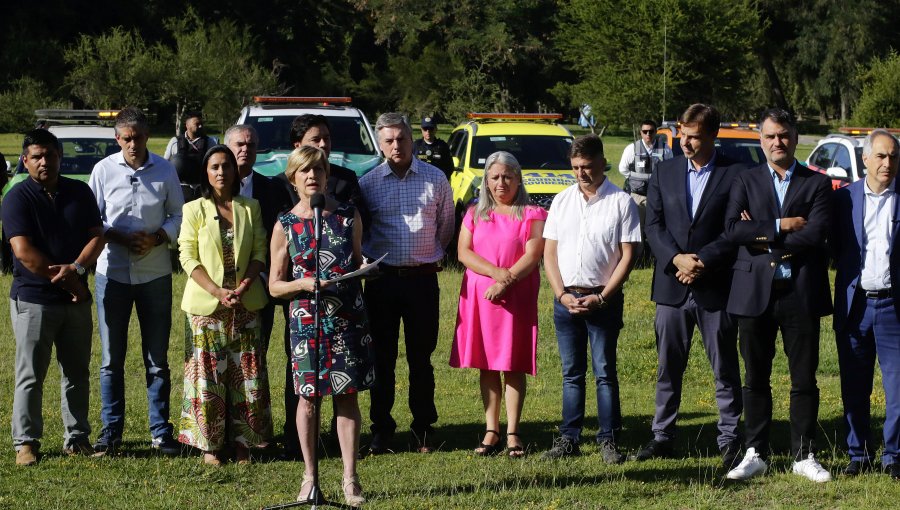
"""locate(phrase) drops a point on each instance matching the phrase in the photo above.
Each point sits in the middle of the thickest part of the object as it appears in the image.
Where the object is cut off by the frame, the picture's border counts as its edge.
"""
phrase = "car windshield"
(348, 134)
(81, 154)
(531, 151)
(741, 150)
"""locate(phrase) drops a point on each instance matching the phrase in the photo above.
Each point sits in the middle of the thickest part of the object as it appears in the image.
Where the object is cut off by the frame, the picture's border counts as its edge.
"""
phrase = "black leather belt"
(586, 290)
(877, 294)
(404, 271)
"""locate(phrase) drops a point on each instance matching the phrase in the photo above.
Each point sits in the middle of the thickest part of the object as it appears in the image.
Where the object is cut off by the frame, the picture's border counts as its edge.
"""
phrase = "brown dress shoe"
(27, 455)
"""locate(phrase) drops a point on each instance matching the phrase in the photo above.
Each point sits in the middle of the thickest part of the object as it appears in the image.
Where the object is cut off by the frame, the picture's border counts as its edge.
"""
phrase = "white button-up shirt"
(144, 200)
(589, 233)
(877, 222)
(412, 217)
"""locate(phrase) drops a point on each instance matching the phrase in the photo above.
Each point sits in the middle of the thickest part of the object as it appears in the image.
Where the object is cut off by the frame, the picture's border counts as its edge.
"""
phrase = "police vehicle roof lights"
(304, 100)
(732, 125)
(63, 116)
(866, 130)
(514, 116)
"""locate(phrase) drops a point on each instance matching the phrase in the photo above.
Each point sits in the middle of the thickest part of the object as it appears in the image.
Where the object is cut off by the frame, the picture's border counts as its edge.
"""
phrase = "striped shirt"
(412, 217)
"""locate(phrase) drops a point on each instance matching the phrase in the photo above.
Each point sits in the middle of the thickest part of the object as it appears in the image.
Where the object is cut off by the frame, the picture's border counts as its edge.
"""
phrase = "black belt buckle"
(877, 294)
(403, 272)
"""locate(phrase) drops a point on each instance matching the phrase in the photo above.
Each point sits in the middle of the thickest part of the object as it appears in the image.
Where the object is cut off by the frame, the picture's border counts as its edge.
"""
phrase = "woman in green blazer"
(223, 249)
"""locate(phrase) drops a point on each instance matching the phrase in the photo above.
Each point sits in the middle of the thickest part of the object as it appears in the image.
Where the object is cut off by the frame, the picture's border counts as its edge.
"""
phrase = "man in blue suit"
(778, 214)
(867, 304)
(692, 278)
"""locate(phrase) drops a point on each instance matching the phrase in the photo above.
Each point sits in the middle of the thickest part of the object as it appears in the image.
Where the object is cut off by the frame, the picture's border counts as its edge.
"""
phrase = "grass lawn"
(454, 477)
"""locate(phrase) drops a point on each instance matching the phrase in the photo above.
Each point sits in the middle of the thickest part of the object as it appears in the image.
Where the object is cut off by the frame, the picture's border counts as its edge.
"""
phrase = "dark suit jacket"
(846, 242)
(273, 200)
(761, 249)
(343, 186)
(671, 231)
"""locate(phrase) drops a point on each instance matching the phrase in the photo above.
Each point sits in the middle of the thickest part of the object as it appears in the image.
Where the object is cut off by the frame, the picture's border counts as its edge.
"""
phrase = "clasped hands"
(581, 305)
(230, 298)
(65, 276)
(503, 278)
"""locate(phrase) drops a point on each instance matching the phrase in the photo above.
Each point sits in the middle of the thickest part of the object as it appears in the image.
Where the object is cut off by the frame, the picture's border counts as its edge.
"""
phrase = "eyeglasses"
(646, 131)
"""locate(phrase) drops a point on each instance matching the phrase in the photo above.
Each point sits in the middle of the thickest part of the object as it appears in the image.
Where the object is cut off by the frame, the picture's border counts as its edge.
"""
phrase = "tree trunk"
(845, 107)
(765, 58)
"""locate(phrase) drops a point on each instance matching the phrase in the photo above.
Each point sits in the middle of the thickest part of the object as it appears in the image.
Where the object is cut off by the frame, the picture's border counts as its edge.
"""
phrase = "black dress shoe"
(654, 449)
(857, 467)
(894, 470)
(380, 445)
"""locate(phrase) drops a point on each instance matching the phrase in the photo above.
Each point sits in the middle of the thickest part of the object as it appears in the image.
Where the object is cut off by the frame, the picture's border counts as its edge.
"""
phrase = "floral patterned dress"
(226, 388)
(346, 357)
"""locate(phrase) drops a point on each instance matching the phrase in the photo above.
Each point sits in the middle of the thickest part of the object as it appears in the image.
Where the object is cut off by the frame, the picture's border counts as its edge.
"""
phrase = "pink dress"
(498, 335)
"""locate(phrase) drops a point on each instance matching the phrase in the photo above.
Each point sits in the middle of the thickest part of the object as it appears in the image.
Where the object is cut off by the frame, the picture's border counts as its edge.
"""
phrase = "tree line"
(628, 59)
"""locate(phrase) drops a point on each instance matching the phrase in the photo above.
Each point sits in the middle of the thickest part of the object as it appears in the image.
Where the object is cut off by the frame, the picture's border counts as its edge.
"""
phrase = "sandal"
(486, 450)
(514, 452)
(211, 459)
(353, 493)
(307, 481)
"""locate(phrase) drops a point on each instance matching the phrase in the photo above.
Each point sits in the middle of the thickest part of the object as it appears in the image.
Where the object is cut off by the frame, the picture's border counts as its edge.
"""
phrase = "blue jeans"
(153, 302)
(600, 330)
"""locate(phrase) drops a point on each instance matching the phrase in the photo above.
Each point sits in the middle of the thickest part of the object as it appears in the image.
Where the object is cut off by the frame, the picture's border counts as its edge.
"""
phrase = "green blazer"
(200, 244)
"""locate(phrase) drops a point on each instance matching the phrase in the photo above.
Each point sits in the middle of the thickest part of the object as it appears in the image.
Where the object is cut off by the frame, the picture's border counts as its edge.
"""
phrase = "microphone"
(317, 202)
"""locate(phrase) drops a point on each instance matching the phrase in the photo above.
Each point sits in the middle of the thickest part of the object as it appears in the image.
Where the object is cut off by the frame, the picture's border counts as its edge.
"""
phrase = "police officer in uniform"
(186, 152)
(433, 150)
(639, 160)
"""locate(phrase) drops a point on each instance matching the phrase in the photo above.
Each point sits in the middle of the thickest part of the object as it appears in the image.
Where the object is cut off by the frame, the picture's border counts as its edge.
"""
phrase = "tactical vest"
(644, 164)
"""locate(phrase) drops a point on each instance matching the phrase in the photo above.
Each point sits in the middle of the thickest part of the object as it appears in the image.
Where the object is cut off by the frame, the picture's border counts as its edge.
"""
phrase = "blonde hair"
(304, 157)
(486, 202)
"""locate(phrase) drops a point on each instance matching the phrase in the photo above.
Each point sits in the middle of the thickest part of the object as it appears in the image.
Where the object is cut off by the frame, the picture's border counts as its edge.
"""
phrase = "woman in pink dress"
(500, 243)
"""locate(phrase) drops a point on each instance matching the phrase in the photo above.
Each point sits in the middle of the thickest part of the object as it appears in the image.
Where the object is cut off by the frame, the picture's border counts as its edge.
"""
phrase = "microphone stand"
(315, 498)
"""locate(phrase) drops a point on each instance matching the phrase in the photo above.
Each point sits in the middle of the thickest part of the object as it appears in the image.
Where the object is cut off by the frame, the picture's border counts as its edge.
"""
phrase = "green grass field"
(454, 477)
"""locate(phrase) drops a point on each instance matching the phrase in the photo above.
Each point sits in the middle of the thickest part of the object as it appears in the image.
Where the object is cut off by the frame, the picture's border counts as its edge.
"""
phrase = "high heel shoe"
(308, 485)
(486, 450)
(353, 493)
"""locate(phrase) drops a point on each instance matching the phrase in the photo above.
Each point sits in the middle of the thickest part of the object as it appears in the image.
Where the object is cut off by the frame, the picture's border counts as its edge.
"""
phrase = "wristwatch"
(79, 269)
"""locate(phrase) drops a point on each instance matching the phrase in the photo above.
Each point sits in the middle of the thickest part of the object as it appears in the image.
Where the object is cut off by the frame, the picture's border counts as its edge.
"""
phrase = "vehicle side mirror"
(838, 173)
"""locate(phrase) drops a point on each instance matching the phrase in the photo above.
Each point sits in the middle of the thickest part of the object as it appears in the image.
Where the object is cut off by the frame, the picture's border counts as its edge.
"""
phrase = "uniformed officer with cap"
(433, 150)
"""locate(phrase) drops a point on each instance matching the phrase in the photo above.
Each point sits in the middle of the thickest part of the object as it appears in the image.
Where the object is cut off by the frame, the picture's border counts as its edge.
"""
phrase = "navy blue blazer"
(846, 243)
(273, 200)
(671, 230)
(761, 249)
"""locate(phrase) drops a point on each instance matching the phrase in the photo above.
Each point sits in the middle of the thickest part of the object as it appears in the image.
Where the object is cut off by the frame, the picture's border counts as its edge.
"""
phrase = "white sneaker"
(810, 468)
(751, 466)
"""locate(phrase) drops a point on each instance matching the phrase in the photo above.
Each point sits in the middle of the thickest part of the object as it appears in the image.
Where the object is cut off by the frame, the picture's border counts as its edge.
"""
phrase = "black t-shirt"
(58, 228)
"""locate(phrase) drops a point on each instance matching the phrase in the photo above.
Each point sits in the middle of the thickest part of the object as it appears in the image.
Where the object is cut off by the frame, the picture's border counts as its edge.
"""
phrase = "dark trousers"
(674, 331)
(414, 300)
(800, 333)
(872, 328)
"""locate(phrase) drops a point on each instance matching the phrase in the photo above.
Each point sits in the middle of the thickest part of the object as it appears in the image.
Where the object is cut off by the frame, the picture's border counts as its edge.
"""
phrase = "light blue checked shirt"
(412, 217)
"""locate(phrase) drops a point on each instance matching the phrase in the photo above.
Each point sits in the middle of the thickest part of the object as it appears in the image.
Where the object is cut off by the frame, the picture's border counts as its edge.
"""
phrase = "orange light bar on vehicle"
(73, 115)
(515, 116)
(325, 101)
(865, 130)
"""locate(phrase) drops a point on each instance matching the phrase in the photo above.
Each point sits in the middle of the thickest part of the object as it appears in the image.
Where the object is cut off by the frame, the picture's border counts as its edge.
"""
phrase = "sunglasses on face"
(646, 131)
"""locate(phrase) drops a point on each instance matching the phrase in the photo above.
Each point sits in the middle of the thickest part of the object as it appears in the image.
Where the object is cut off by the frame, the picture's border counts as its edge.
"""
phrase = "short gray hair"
(486, 202)
(133, 118)
(392, 119)
(875, 133)
(237, 128)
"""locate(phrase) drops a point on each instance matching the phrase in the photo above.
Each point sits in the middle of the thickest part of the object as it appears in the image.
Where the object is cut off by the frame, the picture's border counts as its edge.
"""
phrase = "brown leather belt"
(877, 294)
(405, 271)
(586, 290)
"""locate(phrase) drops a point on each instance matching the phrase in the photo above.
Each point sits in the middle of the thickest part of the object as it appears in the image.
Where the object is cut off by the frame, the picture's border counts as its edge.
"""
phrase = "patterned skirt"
(226, 387)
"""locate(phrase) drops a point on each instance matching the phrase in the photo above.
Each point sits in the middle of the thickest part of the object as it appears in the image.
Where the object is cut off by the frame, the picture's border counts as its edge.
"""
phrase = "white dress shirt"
(144, 200)
(589, 233)
(877, 221)
(412, 217)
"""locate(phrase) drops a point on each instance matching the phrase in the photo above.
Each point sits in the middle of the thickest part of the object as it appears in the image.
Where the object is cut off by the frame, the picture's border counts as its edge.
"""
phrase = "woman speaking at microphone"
(223, 248)
(345, 356)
